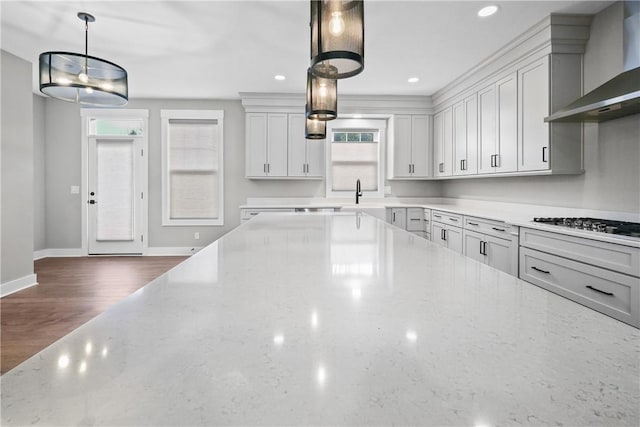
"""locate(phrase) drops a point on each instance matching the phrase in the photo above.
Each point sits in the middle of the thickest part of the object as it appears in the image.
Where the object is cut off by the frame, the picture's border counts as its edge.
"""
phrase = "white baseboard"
(171, 251)
(18, 285)
(65, 252)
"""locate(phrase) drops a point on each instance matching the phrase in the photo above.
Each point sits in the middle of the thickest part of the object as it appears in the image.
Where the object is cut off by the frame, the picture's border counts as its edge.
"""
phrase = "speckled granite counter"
(318, 319)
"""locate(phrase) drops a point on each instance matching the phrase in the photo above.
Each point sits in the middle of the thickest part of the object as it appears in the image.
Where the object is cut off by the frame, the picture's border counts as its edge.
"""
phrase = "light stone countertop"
(517, 214)
(333, 319)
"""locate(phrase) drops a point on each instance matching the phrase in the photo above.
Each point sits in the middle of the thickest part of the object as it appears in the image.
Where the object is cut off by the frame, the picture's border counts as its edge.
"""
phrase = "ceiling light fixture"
(315, 129)
(337, 38)
(279, 77)
(84, 79)
(487, 11)
(322, 98)
(413, 80)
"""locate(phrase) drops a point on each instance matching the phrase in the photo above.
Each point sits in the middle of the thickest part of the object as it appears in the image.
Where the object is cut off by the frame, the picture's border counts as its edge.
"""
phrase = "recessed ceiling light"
(279, 77)
(413, 80)
(487, 11)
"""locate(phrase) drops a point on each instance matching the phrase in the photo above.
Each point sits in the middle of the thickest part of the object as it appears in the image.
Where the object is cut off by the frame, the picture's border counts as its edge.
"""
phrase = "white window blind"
(354, 155)
(193, 178)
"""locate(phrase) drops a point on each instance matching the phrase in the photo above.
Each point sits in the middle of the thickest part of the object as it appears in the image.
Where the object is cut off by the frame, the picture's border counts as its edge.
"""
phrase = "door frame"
(86, 114)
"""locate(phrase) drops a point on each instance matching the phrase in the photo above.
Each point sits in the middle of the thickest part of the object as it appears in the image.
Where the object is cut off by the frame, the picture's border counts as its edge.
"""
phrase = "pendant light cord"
(86, 45)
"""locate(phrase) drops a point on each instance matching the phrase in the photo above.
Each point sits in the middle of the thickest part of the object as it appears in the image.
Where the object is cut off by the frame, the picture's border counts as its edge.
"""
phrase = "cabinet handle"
(498, 229)
(413, 168)
(481, 253)
(472, 223)
(445, 234)
(484, 248)
(497, 160)
(441, 167)
(415, 219)
(453, 219)
(544, 151)
(264, 167)
(539, 269)
(437, 216)
(600, 291)
(394, 217)
(492, 157)
(268, 167)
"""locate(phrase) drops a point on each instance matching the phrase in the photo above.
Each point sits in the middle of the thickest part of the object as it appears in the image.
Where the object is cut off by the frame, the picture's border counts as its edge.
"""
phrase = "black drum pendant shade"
(337, 38)
(84, 79)
(322, 98)
(315, 129)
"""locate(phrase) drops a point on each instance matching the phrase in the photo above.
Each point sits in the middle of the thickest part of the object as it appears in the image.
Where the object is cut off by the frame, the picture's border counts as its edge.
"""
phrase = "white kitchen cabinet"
(501, 254)
(426, 221)
(442, 143)
(498, 122)
(397, 217)
(266, 144)
(415, 219)
(447, 235)
(465, 136)
(305, 156)
(548, 146)
(410, 147)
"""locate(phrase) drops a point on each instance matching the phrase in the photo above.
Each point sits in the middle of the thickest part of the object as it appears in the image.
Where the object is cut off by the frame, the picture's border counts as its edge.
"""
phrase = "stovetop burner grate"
(622, 228)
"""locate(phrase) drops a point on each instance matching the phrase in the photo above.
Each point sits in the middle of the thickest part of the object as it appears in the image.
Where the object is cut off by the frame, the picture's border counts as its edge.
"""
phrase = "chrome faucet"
(358, 192)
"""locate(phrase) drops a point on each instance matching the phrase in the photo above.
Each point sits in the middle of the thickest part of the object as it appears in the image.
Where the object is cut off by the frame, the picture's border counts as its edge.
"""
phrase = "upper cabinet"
(465, 136)
(442, 142)
(409, 149)
(276, 147)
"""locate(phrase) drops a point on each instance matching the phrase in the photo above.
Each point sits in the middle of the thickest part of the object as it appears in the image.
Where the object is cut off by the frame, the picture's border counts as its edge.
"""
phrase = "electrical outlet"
(196, 235)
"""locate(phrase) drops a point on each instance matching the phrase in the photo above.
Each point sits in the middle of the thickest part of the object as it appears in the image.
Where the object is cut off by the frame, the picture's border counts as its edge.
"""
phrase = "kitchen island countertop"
(317, 319)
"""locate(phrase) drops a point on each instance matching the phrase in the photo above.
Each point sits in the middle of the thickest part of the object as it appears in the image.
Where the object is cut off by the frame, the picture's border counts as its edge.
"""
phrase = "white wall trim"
(58, 253)
(171, 250)
(18, 284)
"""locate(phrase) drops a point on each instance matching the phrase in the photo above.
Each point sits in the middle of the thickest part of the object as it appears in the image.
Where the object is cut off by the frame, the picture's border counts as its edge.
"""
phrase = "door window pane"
(114, 190)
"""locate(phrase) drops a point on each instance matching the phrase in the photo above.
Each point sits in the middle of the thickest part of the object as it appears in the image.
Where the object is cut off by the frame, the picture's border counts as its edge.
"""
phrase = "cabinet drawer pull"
(600, 291)
(453, 219)
(544, 158)
(540, 270)
(437, 216)
(498, 229)
(472, 223)
(415, 219)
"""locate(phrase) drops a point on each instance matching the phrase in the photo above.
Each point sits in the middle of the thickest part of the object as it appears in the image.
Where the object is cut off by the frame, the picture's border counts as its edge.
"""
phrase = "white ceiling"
(215, 49)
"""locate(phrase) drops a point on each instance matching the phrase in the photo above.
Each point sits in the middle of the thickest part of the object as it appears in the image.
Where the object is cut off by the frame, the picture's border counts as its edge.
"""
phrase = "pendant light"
(82, 78)
(322, 97)
(337, 38)
(315, 129)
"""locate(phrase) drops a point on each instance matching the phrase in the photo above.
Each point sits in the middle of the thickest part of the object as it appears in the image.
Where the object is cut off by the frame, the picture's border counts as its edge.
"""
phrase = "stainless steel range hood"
(619, 96)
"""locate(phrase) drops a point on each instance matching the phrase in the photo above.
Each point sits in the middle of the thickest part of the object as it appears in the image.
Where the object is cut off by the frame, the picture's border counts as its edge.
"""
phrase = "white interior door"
(115, 209)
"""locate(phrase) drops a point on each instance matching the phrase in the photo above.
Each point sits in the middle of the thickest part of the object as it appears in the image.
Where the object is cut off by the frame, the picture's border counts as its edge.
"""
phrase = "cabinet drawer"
(447, 218)
(616, 295)
(491, 227)
(619, 258)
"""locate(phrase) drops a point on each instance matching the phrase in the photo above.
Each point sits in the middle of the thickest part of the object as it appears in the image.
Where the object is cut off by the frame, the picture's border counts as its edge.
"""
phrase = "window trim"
(378, 123)
(166, 116)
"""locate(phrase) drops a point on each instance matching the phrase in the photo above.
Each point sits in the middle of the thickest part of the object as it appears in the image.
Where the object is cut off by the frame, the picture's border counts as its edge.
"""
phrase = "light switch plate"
(75, 189)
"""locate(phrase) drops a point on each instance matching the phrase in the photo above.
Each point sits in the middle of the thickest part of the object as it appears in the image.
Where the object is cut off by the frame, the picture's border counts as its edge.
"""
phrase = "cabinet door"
(296, 156)
(420, 145)
(533, 103)
(502, 254)
(443, 143)
(402, 146)
(454, 238)
(315, 157)
(256, 144)
(507, 142)
(437, 235)
(471, 117)
(487, 119)
(459, 138)
(472, 245)
(277, 131)
(399, 217)
(414, 219)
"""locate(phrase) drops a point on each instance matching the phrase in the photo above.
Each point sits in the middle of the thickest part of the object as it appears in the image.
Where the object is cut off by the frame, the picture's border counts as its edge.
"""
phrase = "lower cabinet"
(493, 251)
(447, 235)
(397, 217)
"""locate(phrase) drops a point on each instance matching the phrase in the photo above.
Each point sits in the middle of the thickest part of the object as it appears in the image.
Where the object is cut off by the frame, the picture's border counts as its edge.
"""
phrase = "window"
(354, 153)
(192, 175)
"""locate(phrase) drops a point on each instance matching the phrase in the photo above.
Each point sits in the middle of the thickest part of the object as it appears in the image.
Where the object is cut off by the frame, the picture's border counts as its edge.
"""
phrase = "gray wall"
(611, 149)
(63, 210)
(39, 200)
(17, 169)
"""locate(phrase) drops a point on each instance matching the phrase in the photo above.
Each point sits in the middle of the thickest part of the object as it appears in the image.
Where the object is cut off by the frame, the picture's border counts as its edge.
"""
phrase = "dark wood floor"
(71, 291)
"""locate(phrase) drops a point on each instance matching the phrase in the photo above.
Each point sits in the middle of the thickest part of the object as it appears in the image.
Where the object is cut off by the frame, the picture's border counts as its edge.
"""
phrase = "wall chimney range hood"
(619, 96)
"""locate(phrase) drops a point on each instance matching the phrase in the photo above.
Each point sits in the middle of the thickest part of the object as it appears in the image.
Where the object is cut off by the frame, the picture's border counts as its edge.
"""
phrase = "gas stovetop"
(621, 228)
